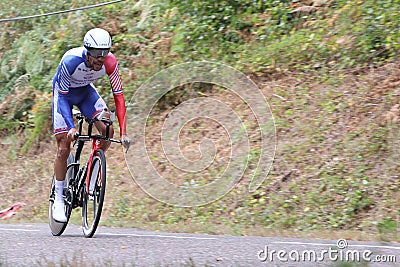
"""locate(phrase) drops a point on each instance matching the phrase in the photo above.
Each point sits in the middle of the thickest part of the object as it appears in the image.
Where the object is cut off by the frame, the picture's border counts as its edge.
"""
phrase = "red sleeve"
(121, 112)
(110, 63)
(112, 71)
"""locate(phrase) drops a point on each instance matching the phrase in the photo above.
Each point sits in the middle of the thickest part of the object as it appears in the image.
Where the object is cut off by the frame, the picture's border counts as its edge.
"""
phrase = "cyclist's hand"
(126, 142)
(72, 134)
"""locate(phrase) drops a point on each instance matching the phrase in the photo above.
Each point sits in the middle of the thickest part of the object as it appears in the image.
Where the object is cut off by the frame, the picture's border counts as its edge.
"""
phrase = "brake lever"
(76, 136)
(126, 144)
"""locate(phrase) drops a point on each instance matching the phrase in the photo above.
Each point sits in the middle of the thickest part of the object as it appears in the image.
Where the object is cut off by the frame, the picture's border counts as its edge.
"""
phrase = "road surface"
(33, 245)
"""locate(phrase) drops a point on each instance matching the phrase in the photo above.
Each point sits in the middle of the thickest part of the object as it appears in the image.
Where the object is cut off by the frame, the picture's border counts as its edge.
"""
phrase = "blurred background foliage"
(258, 37)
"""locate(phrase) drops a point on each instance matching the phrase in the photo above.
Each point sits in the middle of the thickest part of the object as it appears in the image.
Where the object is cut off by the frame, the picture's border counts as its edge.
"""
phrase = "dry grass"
(335, 172)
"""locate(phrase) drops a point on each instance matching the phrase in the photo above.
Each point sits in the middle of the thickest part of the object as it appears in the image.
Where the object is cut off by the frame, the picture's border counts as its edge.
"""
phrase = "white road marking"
(18, 229)
(161, 236)
(118, 234)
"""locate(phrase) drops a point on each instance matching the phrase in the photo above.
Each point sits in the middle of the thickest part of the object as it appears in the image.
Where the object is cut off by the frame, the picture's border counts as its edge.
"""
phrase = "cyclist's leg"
(60, 162)
(92, 105)
(61, 105)
(60, 169)
(63, 150)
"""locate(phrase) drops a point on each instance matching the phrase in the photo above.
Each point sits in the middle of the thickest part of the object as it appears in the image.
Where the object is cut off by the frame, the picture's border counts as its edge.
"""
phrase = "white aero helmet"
(97, 41)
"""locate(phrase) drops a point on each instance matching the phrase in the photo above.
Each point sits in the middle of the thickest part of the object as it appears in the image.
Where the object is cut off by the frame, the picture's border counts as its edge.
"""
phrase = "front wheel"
(93, 196)
(57, 228)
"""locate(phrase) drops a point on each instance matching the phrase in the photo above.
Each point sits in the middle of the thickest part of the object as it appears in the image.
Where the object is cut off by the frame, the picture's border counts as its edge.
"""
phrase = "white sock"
(59, 187)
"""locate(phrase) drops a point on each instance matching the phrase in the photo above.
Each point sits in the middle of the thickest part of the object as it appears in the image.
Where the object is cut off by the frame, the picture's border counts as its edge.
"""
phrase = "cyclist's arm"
(121, 112)
(67, 67)
(112, 71)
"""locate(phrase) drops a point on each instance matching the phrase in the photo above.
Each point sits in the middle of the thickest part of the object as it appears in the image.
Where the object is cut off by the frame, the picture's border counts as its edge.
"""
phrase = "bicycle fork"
(89, 171)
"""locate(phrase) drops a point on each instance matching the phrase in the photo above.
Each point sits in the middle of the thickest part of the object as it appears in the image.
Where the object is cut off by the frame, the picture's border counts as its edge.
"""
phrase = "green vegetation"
(329, 71)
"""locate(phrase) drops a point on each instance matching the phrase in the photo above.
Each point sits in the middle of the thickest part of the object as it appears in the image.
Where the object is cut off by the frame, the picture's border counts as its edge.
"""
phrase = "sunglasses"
(94, 52)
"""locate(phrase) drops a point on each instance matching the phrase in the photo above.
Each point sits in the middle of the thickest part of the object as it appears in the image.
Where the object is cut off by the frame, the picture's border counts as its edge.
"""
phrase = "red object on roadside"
(11, 211)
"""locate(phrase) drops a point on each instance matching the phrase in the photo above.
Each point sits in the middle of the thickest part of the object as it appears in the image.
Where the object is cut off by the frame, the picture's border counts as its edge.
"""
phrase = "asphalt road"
(33, 245)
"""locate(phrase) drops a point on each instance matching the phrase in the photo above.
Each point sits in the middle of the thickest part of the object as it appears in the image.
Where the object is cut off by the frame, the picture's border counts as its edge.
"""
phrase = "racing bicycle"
(85, 185)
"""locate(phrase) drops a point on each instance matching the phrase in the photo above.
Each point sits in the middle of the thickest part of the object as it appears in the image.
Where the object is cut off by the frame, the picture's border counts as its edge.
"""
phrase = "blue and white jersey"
(72, 81)
(73, 72)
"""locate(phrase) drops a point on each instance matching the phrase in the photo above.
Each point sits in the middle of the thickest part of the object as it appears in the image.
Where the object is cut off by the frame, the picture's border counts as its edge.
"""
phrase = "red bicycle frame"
(95, 146)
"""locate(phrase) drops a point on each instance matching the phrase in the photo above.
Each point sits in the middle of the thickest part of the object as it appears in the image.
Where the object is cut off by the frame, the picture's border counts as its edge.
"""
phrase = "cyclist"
(72, 85)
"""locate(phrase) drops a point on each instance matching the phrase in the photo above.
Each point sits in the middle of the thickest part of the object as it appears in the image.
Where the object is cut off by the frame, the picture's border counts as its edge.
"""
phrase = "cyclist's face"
(96, 63)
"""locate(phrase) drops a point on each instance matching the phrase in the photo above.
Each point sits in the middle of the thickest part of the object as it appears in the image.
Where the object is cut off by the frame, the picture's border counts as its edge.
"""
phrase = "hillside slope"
(335, 166)
(328, 69)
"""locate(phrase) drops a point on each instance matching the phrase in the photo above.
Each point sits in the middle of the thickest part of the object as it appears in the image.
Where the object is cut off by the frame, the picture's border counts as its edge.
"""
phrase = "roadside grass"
(334, 175)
